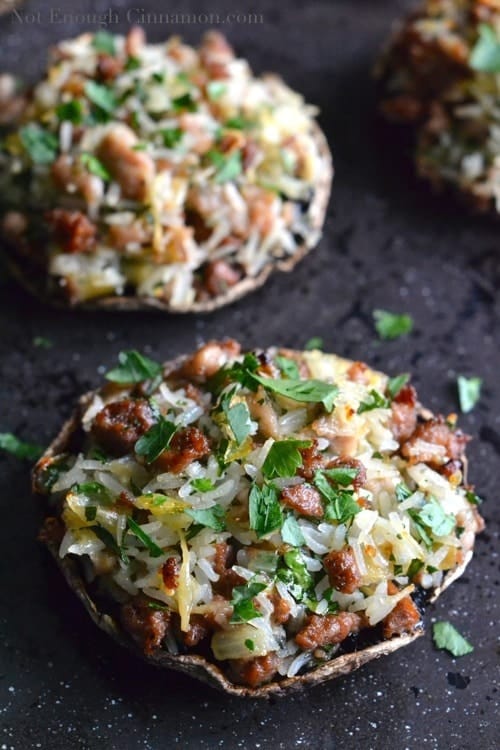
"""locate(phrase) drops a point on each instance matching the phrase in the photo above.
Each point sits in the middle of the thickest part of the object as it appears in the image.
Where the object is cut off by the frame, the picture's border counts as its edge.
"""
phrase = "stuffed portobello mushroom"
(441, 74)
(261, 521)
(157, 175)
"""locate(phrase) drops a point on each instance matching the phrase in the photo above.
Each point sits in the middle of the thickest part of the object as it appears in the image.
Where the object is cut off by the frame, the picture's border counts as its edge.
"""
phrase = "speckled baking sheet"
(387, 244)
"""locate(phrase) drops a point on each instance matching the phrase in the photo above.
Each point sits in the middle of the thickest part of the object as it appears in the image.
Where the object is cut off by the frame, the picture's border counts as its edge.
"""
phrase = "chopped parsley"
(132, 63)
(136, 530)
(133, 368)
(250, 644)
(340, 504)
(472, 498)
(95, 166)
(403, 492)
(304, 391)
(485, 55)
(104, 42)
(94, 491)
(216, 89)
(40, 145)
(238, 418)
(71, 111)
(392, 325)
(288, 367)
(101, 96)
(202, 485)
(264, 510)
(227, 167)
(212, 518)
(414, 567)
(184, 102)
(293, 572)
(447, 637)
(291, 532)
(395, 384)
(237, 123)
(343, 475)
(284, 458)
(18, 448)
(171, 136)
(433, 516)
(155, 440)
(375, 401)
(316, 342)
(469, 391)
(41, 342)
(243, 607)
(109, 541)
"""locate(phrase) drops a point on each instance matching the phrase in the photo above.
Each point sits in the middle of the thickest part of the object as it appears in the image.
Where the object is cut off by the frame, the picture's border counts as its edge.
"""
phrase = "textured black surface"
(387, 244)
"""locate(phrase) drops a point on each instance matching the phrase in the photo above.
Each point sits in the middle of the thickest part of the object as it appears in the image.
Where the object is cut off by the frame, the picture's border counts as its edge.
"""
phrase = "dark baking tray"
(387, 243)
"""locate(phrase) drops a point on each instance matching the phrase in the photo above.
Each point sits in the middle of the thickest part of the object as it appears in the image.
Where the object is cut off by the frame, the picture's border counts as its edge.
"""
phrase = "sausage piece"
(404, 413)
(255, 672)
(72, 230)
(304, 499)
(132, 170)
(404, 618)
(312, 460)
(324, 630)
(209, 359)
(120, 424)
(187, 445)
(147, 626)
(342, 569)
(435, 443)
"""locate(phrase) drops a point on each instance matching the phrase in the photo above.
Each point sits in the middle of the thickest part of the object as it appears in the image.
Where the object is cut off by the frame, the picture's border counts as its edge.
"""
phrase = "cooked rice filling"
(263, 509)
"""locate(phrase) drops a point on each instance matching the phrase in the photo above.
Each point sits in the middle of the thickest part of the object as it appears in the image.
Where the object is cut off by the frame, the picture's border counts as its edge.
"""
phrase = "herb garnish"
(104, 42)
(395, 384)
(102, 96)
(472, 498)
(403, 492)
(109, 541)
(264, 510)
(433, 515)
(414, 567)
(95, 166)
(316, 342)
(41, 342)
(18, 448)
(202, 484)
(485, 55)
(155, 440)
(340, 504)
(133, 368)
(293, 572)
(153, 548)
(304, 391)
(250, 644)
(243, 607)
(227, 167)
(71, 111)
(40, 145)
(469, 391)
(184, 102)
(343, 475)
(447, 637)
(288, 367)
(238, 417)
(392, 325)
(94, 491)
(171, 136)
(291, 533)
(212, 518)
(375, 401)
(284, 458)
(216, 89)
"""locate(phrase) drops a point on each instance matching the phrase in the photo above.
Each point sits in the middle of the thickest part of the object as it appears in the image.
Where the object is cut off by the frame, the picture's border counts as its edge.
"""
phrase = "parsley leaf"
(414, 567)
(376, 401)
(264, 510)
(41, 342)
(391, 325)
(316, 342)
(171, 136)
(238, 417)
(288, 367)
(153, 548)
(104, 42)
(422, 531)
(95, 166)
(212, 518)
(341, 505)
(109, 541)
(133, 368)
(71, 111)
(472, 498)
(243, 607)
(216, 89)
(18, 448)
(202, 485)
(102, 96)
(40, 145)
(304, 391)
(396, 384)
(295, 575)
(227, 167)
(343, 475)
(469, 391)
(250, 644)
(94, 491)
(447, 637)
(439, 522)
(155, 440)
(403, 492)
(291, 533)
(284, 458)
(184, 102)
(485, 55)
(132, 63)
